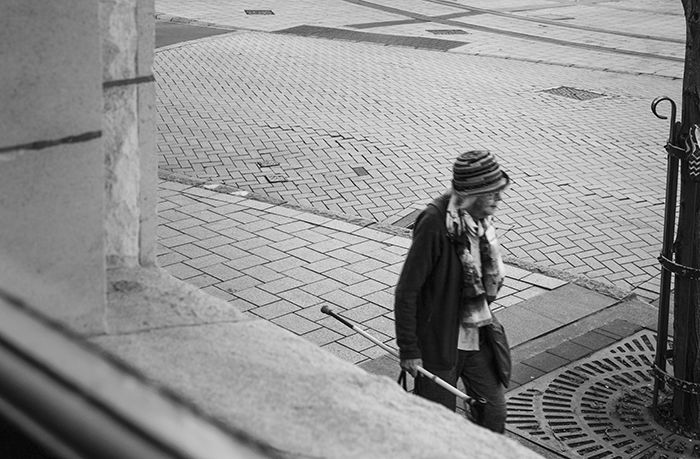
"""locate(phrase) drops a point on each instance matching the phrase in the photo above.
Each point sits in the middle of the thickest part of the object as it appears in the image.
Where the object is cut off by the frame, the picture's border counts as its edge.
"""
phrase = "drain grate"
(360, 170)
(597, 408)
(448, 32)
(573, 93)
(258, 12)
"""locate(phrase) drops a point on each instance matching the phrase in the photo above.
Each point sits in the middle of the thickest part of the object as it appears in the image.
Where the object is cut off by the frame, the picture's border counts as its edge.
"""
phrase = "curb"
(164, 17)
(227, 189)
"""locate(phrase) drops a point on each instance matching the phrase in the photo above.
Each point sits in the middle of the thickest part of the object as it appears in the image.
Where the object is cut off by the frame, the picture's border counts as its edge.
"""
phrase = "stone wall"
(51, 160)
(129, 103)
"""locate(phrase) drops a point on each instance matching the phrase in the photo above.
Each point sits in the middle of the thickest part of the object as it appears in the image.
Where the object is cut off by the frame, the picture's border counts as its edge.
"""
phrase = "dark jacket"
(427, 300)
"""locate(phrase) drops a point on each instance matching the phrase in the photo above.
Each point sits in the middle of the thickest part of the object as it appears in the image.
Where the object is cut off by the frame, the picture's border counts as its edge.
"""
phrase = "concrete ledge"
(145, 299)
(281, 389)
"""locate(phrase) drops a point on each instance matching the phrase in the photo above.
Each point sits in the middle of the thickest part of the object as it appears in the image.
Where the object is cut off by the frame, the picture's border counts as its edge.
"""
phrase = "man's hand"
(411, 365)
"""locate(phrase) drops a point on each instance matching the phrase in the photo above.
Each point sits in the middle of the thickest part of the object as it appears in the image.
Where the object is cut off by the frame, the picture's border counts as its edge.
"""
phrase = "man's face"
(484, 205)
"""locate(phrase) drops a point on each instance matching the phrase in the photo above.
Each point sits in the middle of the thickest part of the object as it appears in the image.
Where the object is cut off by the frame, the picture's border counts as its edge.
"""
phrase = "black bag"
(402, 380)
(496, 336)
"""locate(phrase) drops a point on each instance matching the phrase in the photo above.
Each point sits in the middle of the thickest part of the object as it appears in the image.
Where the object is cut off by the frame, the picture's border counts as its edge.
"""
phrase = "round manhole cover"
(598, 407)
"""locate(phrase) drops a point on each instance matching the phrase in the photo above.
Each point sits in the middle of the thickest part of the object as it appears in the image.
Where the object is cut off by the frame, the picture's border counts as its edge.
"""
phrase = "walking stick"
(440, 382)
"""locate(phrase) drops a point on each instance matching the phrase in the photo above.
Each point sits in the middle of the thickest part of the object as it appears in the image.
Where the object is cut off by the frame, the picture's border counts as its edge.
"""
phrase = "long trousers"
(478, 372)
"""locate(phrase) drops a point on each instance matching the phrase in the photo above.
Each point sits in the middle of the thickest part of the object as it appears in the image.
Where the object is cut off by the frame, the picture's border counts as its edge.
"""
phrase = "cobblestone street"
(298, 140)
(365, 130)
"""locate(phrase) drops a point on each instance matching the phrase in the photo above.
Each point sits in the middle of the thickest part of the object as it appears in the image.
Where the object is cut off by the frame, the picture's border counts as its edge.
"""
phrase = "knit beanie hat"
(477, 172)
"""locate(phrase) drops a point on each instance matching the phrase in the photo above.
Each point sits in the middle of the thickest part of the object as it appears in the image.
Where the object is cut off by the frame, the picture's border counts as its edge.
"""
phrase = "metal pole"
(441, 382)
(667, 245)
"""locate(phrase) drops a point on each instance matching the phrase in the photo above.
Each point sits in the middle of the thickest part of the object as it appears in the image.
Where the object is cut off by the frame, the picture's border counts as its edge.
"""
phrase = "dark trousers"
(478, 373)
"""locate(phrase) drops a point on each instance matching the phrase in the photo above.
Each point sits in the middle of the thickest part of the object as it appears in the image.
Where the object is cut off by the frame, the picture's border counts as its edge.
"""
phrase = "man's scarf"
(478, 289)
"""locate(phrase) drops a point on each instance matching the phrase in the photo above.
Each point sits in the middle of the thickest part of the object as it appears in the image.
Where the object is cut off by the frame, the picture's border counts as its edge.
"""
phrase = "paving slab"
(567, 303)
(523, 324)
(386, 365)
(570, 351)
(545, 362)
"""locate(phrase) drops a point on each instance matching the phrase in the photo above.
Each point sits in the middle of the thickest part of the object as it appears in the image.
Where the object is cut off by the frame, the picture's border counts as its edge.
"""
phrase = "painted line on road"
(554, 41)
(565, 25)
(368, 37)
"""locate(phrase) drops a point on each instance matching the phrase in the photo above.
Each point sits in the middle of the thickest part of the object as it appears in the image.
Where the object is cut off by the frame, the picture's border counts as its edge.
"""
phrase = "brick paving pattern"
(340, 125)
(588, 175)
(282, 265)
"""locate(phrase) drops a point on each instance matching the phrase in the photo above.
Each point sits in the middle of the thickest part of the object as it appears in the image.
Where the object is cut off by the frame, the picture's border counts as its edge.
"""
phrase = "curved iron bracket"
(671, 149)
(678, 269)
(657, 101)
(677, 383)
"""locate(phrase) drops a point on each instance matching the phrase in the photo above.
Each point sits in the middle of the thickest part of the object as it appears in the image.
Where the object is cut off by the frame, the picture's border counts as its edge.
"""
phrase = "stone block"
(51, 72)
(619, 328)
(122, 162)
(568, 303)
(545, 362)
(523, 325)
(385, 365)
(523, 374)
(570, 351)
(593, 340)
(51, 195)
(274, 310)
(322, 336)
(295, 324)
(540, 280)
(300, 298)
(256, 296)
(51, 236)
(344, 353)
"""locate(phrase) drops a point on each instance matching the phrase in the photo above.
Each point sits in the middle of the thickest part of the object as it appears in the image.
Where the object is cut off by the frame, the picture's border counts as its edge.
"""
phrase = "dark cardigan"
(427, 300)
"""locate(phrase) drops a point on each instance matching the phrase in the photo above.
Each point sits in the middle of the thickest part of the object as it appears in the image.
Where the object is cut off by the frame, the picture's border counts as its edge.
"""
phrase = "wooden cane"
(441, 382)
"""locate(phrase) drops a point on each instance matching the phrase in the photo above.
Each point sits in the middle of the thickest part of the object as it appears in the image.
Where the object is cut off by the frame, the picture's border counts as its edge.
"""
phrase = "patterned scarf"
(480, 287)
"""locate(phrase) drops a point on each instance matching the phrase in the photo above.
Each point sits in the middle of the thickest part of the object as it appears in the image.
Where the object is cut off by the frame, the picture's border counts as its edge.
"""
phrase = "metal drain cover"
(360, 170)
(408, 221)
(598, 407)
(259, 12)
(448, 32)
(573, 93)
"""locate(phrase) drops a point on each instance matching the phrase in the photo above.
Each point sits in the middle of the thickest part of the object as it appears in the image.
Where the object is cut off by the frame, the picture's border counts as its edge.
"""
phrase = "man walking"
(452, 272)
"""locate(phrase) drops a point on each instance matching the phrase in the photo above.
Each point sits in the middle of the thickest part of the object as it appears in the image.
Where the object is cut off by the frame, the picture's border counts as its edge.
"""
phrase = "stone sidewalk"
(283, 264)
(584, 200)
(626, 36)
(290, 164)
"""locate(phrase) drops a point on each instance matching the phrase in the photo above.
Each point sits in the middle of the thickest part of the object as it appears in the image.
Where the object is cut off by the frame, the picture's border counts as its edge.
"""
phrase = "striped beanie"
(477, 172)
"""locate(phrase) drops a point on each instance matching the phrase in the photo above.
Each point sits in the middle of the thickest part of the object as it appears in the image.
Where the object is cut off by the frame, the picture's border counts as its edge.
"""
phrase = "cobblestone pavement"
(366, 130)
(282, 265)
